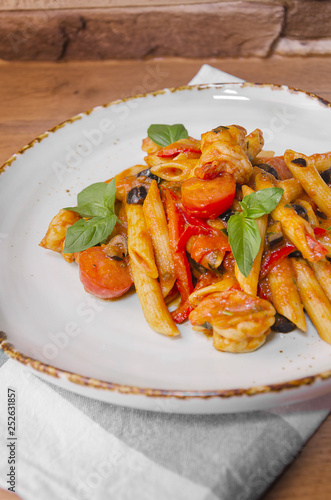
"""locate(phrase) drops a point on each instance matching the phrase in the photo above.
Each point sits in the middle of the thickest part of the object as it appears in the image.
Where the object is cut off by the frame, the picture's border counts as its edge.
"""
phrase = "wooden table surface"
(37, 96)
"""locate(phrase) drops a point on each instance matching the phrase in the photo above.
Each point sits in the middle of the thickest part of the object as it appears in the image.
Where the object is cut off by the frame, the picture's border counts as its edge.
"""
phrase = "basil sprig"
(244, 235)
(163, 135)
(96, 205)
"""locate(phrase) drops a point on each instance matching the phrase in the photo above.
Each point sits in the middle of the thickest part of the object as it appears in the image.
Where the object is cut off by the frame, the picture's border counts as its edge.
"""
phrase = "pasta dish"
(216, 231)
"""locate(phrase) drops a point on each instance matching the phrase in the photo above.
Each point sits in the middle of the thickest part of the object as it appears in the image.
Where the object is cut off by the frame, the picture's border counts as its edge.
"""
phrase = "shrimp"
(254, 143)
(224, 149)
(57, 230)
(149, 146)
(240, 322)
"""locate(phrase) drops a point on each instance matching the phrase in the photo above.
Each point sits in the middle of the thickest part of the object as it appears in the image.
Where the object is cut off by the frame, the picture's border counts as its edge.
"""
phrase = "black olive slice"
(268, 168)
(296, 254)
(147, 173)
(274, 239)
(282, 324)
(300, 210)
(136, 195)
(326, 176)
(225, 216)
(300, 161)
(321, 215)
(220, 129)
(116, 257)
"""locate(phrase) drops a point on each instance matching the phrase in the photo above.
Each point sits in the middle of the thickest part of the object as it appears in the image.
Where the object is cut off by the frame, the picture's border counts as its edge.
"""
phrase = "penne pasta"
(297, 229)
(139, 241)
(175, 170)
(292, 189)
(152, 303)
(128, 172)
(264, 154)
(284, 293)
(157, 226)
(303, 169)
(152, 160)
(314, 299)
(322, 270)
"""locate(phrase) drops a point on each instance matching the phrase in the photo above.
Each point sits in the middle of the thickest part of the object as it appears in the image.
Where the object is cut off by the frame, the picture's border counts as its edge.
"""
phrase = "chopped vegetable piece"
(102, 276)
(271, 259)
(208, 198)
(182, 268)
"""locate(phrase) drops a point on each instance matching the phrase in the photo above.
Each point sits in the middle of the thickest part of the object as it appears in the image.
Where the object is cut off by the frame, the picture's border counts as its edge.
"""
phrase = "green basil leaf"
(163, 135)
(92, 194)
(109, 196)
(90, 210)
(84, 234)
(254, 212)
(245, 241)
(262, 202)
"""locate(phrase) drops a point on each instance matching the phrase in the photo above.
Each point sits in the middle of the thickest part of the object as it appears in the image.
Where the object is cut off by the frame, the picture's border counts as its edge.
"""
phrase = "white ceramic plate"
(105, 350)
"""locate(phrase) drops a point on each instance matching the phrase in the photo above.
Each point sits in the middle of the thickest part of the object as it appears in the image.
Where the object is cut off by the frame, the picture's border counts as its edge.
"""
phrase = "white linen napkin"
(70, 447)
(208, 74)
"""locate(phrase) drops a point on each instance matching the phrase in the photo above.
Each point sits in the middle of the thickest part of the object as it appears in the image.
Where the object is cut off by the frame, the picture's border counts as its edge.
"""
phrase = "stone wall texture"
(113, 29)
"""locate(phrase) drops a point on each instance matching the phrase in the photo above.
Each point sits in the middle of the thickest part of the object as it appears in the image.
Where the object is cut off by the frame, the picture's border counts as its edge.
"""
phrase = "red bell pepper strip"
(182, 312)
(176, 148)
(192, 220)
(271, 259)
(184, 283)
(188, 232)
(197, 226)
(319, 231)
(319, 250)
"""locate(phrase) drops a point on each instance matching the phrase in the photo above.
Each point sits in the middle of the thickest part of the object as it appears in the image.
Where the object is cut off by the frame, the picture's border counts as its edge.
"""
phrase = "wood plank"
(37, 96)
(87, 4)
(141, 31)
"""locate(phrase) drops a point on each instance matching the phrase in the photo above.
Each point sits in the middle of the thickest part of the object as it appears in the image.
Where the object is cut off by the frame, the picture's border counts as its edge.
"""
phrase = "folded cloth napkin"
(70, 447)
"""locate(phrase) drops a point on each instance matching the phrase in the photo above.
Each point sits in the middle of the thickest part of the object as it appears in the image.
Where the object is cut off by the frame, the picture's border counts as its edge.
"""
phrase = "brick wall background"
(113, 29)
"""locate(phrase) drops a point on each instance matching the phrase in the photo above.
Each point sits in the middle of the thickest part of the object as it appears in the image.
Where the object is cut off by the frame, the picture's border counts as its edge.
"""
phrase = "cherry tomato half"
(102, 276)
(208, 198)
